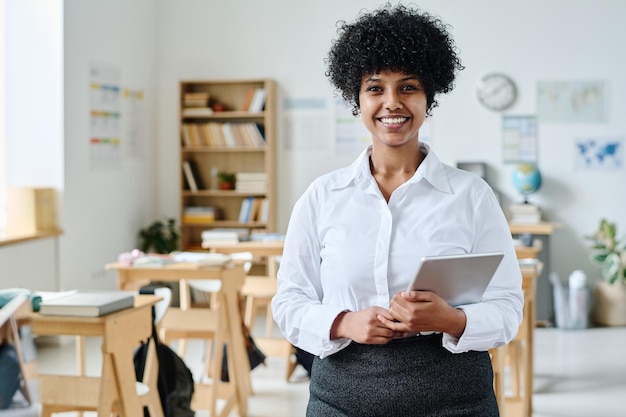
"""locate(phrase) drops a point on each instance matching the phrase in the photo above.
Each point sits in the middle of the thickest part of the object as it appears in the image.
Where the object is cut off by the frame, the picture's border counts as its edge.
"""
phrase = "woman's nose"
(392, 100)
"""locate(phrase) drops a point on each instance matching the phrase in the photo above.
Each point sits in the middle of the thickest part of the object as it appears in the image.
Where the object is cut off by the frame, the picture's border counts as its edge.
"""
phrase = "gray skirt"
(408, 377)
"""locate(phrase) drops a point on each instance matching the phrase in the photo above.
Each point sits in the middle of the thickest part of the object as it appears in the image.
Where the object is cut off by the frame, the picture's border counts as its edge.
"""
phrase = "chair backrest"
(161, 307)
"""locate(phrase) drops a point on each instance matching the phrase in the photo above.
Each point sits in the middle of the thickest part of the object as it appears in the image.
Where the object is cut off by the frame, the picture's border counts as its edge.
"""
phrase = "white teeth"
(393, 120)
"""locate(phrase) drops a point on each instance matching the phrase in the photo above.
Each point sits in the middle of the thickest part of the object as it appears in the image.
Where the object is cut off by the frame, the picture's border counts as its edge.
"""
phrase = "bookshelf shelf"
(220, 194)
(221, 149)
(226, 115)
(231, 140)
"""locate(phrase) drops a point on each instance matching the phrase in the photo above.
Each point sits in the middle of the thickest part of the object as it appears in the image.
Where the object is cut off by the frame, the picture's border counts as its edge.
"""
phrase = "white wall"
(532, 41)
(104, 209)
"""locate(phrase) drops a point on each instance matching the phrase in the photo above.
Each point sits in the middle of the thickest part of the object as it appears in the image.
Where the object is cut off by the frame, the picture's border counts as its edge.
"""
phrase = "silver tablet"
(458, 279)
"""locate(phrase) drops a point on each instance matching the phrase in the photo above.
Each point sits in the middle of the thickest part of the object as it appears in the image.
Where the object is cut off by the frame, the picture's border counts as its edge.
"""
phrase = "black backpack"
(175, 381)
(9, 374)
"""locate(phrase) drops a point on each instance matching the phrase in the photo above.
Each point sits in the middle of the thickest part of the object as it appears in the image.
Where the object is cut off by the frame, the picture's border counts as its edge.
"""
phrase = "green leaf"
(611, 267)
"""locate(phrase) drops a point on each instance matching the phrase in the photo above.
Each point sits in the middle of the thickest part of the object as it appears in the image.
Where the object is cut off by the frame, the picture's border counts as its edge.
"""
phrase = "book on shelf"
(244, 210)
(251, 176)
(254, 209)
(193, 135)
(193, 180)
(197, 111)
(247, 100)
(258, 100)
(223, 134)
(87, 303)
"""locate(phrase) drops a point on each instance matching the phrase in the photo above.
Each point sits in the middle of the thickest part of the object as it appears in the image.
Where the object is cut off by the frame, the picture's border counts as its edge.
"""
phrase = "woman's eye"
(373, 88)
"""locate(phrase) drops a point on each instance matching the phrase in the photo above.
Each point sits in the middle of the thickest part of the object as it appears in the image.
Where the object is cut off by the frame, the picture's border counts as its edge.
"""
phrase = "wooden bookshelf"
(219, 134)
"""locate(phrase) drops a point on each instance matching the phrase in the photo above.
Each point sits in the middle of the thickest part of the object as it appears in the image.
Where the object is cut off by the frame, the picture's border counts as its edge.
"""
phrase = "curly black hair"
(397, 38)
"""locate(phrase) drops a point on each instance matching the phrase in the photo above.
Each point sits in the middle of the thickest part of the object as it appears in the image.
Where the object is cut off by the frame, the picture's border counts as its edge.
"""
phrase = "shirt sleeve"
(496, 319)
(297, 306)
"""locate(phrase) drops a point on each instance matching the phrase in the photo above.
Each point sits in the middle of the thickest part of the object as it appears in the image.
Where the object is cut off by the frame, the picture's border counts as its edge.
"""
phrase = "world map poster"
(599, 154)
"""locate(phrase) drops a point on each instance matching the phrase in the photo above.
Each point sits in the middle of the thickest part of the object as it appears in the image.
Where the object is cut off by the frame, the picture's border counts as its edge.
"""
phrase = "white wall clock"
(496, 91)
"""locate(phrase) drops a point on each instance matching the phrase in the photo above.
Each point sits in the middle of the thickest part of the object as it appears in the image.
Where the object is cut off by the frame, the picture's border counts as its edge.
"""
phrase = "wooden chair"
(209, 325)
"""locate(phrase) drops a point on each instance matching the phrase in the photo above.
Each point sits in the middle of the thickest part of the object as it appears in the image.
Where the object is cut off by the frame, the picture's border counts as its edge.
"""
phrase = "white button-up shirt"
(347, 249)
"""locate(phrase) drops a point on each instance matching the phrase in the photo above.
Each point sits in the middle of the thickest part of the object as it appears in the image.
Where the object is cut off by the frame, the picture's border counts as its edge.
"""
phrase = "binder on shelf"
(192, 180)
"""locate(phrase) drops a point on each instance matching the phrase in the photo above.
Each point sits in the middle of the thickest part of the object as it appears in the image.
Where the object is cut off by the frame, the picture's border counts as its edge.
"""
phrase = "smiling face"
(393, 107)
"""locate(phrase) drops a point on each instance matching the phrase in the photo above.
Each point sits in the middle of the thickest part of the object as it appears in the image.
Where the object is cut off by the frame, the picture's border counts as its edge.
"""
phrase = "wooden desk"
(121, 332)
(541, 231)
(519, 353)
(269, 249)
(231, 277)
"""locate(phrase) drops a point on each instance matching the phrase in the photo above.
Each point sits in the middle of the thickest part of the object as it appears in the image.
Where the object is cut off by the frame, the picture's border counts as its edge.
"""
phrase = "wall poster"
(105, 115)
(572, 101)
(519, 139)
(599, 154)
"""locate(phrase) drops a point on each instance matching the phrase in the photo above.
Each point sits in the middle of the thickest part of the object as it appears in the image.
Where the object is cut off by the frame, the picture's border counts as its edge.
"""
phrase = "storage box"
(31, 210)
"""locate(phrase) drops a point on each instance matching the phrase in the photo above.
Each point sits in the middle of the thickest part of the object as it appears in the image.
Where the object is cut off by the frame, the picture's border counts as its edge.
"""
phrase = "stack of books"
(196, 99)
(525, 213)
(222, 235)
(199, 214)
(251, 182)
(196, 104)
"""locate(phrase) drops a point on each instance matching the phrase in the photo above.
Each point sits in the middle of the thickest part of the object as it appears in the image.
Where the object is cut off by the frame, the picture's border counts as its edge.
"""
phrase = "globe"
(526, 179)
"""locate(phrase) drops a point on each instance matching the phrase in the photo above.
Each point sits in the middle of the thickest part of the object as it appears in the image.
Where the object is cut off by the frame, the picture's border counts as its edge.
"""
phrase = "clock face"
(497, 91)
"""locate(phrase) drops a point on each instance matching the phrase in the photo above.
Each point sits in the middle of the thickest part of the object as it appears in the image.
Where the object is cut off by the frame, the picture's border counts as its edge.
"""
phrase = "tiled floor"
(578, 373)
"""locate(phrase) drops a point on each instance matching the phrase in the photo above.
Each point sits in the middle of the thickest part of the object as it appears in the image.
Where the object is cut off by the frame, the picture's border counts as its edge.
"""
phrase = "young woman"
(356, 237)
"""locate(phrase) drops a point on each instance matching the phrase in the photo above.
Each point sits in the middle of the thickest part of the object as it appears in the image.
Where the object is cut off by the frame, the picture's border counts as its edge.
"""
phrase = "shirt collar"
(358, 173)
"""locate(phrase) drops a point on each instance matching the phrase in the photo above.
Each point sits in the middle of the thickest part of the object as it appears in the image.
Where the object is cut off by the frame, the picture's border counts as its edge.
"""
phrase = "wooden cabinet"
(226, 127)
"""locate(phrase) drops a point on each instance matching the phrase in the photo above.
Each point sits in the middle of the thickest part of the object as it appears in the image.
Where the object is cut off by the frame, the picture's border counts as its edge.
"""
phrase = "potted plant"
(159, 237)
(609, 252)
(226, 180)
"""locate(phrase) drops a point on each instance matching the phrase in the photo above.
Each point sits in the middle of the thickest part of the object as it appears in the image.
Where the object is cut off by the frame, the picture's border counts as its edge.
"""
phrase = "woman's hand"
(421, 311)
(364, 326)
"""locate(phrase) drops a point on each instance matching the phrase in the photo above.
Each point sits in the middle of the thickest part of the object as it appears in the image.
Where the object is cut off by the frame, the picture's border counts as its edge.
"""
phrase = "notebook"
(458, 279)
(88, 303)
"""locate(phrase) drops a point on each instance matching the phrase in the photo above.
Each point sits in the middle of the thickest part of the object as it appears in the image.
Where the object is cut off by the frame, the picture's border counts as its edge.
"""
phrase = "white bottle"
(578, 300)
